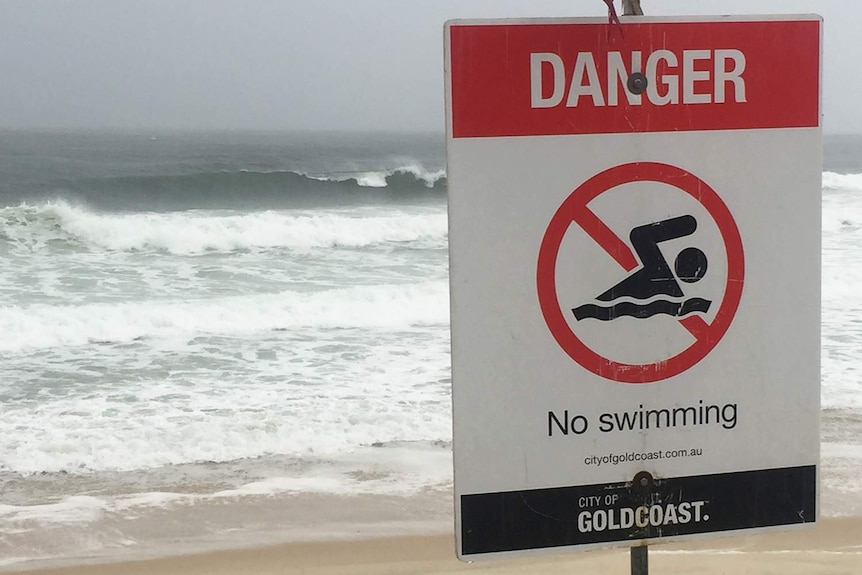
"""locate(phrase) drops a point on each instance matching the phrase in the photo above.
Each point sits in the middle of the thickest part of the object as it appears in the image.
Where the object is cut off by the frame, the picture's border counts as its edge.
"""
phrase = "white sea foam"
(245, 376)
(196, 232)
(125, 431)
(42, 326)
(372, 180)
(842, 451)
(841, 298)
(368, 470)
(835, 181)
(152, 424)
(842, 211)
(79, 508)
(430, 178)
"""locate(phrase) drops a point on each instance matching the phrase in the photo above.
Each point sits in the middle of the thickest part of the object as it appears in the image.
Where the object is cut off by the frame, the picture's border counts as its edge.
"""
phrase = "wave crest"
(835, 181)
(60, 224)
(398, 177)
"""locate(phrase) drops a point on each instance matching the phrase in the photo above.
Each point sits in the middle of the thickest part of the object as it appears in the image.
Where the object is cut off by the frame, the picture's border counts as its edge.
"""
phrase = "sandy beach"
(834, 546)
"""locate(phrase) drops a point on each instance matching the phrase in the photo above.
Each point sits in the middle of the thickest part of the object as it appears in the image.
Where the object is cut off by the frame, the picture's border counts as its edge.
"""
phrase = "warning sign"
(653, 287)
(634, 248)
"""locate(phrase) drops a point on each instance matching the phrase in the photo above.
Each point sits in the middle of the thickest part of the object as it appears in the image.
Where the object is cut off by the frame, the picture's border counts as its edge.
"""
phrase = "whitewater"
(201, 332)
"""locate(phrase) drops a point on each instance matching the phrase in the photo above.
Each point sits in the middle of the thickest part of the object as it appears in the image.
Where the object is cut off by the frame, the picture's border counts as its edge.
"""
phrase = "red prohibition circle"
(707, 335)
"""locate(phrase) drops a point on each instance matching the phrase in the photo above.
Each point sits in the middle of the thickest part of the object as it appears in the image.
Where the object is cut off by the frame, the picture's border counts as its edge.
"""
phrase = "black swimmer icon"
(655, 277)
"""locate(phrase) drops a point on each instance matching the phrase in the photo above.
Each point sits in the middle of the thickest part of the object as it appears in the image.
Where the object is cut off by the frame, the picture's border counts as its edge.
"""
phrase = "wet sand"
(833, 546)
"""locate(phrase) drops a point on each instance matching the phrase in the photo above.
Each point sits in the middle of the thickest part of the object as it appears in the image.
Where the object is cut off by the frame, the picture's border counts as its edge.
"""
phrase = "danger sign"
(634, 256)
(651, 275)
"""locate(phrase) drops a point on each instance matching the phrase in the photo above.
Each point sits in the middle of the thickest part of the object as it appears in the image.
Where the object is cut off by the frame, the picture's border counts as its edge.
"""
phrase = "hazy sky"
(285, 64)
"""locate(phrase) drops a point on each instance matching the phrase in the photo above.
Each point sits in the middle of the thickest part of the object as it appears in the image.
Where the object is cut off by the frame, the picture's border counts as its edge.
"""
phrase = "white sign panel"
(635, 278)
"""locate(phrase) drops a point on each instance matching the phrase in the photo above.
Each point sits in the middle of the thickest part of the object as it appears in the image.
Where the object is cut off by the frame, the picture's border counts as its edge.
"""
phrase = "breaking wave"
(53, 226)
(835, 181)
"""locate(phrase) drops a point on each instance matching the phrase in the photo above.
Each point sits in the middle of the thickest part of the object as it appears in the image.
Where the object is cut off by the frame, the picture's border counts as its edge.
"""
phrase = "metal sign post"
(640, 560)
(632, 8)
(639, 555)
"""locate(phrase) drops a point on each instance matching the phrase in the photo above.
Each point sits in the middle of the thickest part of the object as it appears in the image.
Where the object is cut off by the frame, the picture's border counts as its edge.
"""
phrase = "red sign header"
(596, 78)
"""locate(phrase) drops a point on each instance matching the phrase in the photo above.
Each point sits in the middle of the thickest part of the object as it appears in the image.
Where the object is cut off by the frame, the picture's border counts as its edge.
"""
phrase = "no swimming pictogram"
(652, 287)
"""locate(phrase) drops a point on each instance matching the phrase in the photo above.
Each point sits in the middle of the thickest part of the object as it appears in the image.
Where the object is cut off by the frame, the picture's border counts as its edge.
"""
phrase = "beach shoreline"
(833, 545)
(162, 526)
(126, 534)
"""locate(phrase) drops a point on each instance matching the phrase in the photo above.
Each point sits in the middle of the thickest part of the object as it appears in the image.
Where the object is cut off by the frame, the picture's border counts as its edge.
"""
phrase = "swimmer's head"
(690, 265)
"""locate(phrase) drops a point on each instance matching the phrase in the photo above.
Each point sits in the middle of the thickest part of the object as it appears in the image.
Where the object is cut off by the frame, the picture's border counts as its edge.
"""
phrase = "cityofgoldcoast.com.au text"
(617, 458)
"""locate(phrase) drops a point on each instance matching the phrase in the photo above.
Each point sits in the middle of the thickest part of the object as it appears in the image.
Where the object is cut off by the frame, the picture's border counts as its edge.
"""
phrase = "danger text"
(689, 77)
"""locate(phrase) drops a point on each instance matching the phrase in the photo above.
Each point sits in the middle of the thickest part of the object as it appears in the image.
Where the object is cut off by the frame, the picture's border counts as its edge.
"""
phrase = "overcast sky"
(286, 64)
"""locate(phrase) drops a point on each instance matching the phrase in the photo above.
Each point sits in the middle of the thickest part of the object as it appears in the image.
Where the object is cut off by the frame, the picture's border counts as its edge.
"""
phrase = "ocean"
(223, 339)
